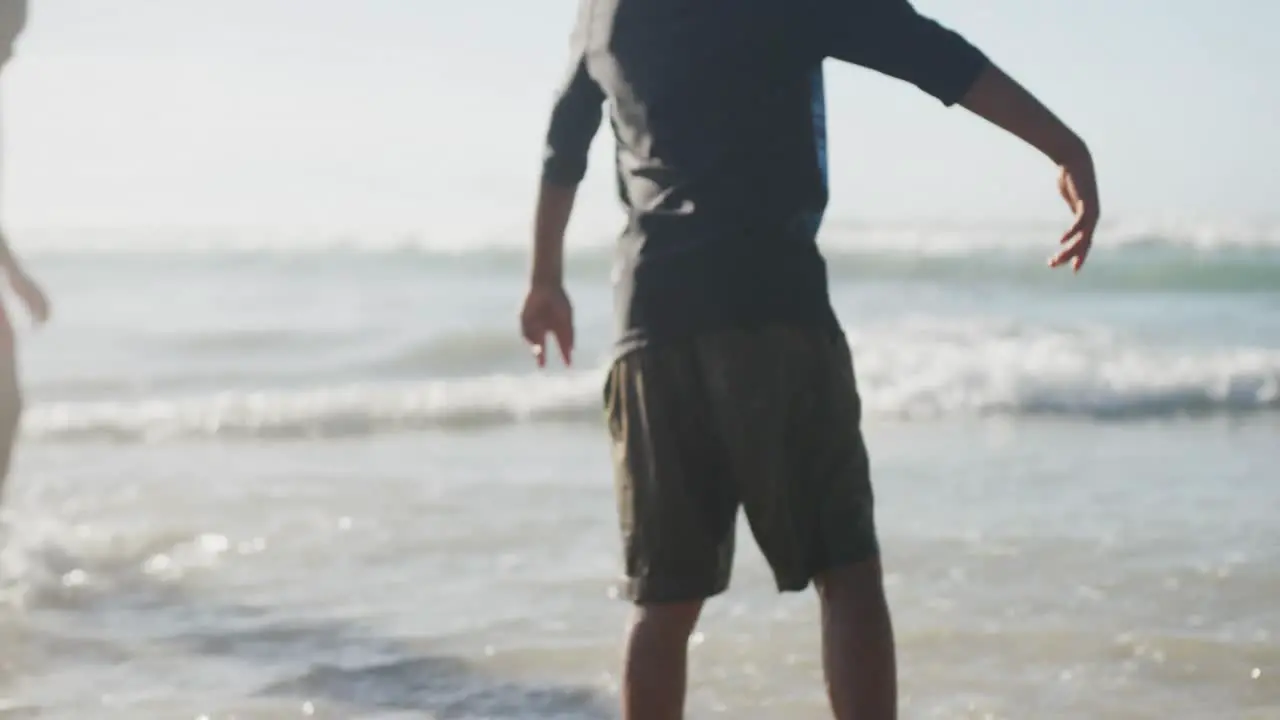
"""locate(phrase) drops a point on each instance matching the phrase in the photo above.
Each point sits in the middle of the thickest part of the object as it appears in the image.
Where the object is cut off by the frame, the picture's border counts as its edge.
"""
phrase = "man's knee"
(859, 583)
(668, 620)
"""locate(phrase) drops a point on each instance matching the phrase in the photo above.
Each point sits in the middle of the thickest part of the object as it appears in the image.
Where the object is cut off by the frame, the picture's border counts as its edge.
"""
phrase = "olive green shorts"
(765, 419)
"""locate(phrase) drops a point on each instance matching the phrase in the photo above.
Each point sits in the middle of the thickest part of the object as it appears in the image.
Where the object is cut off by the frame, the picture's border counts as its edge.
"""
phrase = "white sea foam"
(920, 371)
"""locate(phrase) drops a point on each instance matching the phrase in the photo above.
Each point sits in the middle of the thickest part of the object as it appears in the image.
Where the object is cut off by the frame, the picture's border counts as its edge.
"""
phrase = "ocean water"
(278, 476)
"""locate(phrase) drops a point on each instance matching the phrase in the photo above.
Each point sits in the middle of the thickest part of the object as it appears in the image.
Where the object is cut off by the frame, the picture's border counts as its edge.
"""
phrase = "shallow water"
(269, 484)
(410, 573)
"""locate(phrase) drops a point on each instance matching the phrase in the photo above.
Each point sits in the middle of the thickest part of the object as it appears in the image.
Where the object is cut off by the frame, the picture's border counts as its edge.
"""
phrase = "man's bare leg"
(857, 643)
(655, 670)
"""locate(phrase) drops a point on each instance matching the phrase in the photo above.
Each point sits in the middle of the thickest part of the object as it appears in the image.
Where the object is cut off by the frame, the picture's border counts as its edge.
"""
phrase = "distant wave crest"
(1245, 258)
(838, 238)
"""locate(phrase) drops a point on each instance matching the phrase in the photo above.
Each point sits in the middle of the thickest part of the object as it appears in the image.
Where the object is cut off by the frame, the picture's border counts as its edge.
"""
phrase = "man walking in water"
(732, 383)
(13, 17)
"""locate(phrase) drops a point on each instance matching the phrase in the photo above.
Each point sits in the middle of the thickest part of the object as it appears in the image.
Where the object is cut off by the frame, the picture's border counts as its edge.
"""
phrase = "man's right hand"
(547, 311)
(1001, 101)
(1079, 188)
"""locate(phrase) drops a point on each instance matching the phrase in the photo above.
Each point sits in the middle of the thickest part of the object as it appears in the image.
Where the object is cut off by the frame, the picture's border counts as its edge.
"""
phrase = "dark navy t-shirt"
(718, 112)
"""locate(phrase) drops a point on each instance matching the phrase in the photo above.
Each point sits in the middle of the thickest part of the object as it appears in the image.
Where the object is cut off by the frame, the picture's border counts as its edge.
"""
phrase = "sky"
(426, 114)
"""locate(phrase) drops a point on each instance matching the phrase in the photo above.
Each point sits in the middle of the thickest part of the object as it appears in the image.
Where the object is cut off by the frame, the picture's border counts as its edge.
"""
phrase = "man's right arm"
(890, 37)
(1001, 101)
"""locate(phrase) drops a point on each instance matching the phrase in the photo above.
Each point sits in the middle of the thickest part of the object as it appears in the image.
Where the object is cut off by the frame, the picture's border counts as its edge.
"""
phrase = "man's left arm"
(574, 123)
(575, 119)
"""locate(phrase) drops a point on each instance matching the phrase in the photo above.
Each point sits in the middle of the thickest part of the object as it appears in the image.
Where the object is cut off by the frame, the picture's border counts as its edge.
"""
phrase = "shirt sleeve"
(575, 119)
(890, 37)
